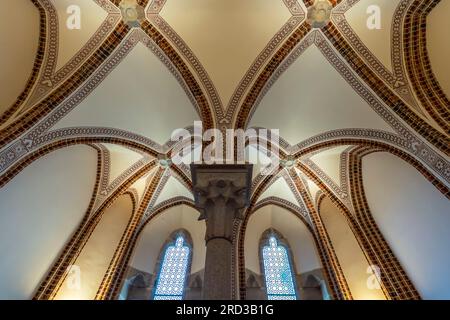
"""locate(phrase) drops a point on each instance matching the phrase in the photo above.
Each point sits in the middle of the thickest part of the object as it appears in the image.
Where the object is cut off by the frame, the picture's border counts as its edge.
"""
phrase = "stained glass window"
(172, 275)
(277, 272)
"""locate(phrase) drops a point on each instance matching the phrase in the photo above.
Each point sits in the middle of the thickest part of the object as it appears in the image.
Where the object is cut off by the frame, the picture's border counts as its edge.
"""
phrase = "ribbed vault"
(337, 93)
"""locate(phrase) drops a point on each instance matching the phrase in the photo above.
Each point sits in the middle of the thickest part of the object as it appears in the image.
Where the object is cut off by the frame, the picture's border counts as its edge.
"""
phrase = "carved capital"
(221, 194)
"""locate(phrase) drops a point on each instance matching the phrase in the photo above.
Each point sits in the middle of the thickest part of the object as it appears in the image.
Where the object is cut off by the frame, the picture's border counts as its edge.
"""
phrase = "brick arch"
(418, 65)
(31, 117)
(132, 193)
(164, 206)
(278, 202)
(395, 283)
(50, 285)
(328, 268)
(46, 149)
(383, 92)
(334, 140)
(38, 61)
(437, 182)
(113, 288)
(371, 80)
(206, 113)
(43, 289)
(93, 64)
(134, 197)
(325, 141)
(242, 113)
(334, 273)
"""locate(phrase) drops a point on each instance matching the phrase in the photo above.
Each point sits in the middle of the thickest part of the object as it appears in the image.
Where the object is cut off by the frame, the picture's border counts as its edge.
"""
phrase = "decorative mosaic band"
(390, 98)
(38, 61)
(116, 270)
(332, 266)
(50, 78)
(333, 272)
(30, 118)
(385, 259)
(55, 278)
(396, 79)
(394, 279)
(418, 64)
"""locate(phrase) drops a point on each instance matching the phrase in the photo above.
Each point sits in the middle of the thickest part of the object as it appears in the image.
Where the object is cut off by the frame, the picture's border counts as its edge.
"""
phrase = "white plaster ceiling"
(44, 204)
(226, 35)
(142, 183)
(140, 95)
(311, 97)
(313, 188)
(98, 251)
(258, 158)
(172, 189)
(157, 231)
(121, 158)
(351, 258)
(406, 195)
(72, 40)
(378, 41)
(329, 161)
(19, 49)
(281, 190)
(311, 185)
(438, 43)
(292, 228)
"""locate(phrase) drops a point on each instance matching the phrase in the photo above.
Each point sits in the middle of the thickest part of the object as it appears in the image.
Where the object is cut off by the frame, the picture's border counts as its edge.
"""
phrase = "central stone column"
(221, 193)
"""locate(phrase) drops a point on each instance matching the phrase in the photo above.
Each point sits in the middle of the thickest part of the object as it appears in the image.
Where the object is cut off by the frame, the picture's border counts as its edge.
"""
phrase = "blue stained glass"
(172, 276)
(277, 272)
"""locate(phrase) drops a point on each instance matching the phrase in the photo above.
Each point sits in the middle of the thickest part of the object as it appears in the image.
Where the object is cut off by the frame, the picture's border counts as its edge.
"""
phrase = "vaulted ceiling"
(123, 86)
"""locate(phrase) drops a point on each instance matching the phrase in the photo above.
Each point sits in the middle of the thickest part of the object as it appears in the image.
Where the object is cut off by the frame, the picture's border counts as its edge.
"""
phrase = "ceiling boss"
(319, 14)
(132, 13)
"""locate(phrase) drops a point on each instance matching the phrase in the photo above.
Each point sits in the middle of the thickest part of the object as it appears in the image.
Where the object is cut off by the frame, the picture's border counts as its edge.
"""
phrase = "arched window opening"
(280, 283)
(171, 280)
